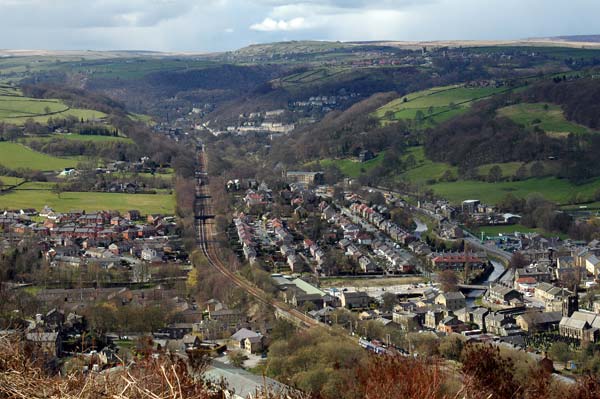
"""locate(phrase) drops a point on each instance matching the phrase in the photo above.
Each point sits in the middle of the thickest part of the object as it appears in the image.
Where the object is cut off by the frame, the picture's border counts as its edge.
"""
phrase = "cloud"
(213, 25)
(271, 25)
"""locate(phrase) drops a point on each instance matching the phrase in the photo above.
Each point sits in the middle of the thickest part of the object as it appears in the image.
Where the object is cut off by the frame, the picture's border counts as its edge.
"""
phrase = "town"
(220, 216)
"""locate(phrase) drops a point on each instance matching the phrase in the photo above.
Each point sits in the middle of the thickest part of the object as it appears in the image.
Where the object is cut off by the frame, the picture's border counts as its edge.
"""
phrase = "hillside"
(17, 108)
(497, 132)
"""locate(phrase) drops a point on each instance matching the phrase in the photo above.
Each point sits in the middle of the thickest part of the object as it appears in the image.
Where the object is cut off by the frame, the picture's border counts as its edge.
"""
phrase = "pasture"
(17, 109)
(423, 169)
(554, 189)
(313, 76)
(426, 169)
(491, 231)
(434, 105)
(15, 156)
(78, 137)
(6, 181)
(548, 117)
(352, 167)
(32, 197)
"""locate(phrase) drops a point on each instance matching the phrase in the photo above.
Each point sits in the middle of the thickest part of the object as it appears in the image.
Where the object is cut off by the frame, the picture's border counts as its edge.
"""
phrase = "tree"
(451, 347)
(398, 377)
(537, 169)
(419, 117)
(448, 280)
(389, 301)
(489, 373)
(237, 358)
(57, 189)
(571, 279)
(521, 173)
(410, 161)
(560, 352)
(192, 279)
(448, 176)
(510, 203)
(518, 261)
(495, 174)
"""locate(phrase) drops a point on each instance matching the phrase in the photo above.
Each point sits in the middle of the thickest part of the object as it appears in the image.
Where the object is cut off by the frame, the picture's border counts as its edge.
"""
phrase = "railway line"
(204, 227)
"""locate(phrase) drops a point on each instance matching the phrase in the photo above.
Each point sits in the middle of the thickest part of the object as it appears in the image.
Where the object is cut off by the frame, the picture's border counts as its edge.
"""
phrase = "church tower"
(570, 304)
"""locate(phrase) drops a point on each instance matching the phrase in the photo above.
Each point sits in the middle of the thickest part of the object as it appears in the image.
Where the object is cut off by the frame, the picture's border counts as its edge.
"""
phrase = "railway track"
(205, 232)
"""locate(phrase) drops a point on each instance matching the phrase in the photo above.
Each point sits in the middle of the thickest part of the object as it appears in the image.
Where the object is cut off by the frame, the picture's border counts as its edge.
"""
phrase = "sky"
(219, 25)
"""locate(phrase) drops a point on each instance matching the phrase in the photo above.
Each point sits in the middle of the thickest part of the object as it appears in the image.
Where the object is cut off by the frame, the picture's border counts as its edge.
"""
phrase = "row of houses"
(385, 225)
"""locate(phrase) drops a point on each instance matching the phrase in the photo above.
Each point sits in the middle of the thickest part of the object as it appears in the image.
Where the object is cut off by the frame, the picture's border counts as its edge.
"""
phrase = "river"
(493, 277)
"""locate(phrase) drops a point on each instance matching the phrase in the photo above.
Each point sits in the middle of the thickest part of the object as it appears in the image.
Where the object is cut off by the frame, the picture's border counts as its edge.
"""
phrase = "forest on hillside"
(481, 136)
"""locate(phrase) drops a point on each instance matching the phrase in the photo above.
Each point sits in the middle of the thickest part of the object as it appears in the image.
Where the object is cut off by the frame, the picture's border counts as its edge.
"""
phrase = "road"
(205, 230)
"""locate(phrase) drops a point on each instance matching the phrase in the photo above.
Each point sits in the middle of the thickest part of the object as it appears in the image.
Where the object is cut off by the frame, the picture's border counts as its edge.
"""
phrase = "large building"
(581, 325)
(304, 177)
(457, 261)
(451, 300)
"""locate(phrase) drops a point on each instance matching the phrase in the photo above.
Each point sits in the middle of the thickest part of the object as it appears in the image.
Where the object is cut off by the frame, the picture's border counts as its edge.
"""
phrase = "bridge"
(472, 287)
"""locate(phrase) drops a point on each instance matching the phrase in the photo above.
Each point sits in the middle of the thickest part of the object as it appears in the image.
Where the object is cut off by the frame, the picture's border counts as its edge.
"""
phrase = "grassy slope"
(554, 189)
(351, 167)
(31, 198)
(14, 156)
(16, 109)
(9, 180)
(438, 100)
(558, 190)
(80, 137)
(552, 119)
(424, 169)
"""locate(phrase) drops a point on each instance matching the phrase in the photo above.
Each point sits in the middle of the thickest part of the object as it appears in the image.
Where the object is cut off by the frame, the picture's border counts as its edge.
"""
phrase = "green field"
(504, 229)
(15, 156)
(424, 168)
(352, 167)
(135, 68)
(10, 180)
(435, 105)
(78, 137)
(142, 118)
(147, 203)
(548, 117)
(16, 109)
(313, 76)
(552, 188)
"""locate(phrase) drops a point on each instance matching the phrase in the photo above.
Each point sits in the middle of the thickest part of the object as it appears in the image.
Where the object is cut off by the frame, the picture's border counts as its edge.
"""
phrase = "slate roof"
(243, 334)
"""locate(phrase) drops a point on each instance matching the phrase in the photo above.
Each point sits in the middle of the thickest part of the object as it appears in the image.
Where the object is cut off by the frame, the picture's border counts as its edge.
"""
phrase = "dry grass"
(23, 374)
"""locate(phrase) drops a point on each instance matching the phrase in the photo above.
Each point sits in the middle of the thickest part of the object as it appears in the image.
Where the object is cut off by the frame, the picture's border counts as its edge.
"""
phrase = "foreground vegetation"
(329, 365)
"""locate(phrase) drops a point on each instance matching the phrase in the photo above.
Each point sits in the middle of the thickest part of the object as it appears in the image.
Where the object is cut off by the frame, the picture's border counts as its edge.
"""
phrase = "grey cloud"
(197, 25)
